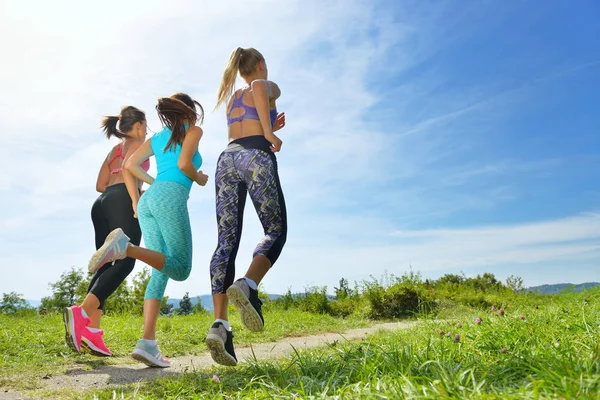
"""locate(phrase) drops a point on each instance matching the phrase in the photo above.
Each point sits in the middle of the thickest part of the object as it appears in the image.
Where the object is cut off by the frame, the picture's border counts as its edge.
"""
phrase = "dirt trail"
(105, 376)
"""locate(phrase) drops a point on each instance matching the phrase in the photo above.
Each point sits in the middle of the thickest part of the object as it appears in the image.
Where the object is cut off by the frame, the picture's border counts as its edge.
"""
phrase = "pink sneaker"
(75, 323)
(92, 342)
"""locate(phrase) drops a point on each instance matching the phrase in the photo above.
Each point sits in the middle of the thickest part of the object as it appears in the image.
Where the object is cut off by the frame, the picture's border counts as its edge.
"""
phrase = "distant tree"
(262, 294)
(165, 307)
(343, 291)
(140, 281)
(451, 278)
(198, 307)
(70, 288)
(12, 302)
(484, 282)
(185, 305)
(121, 301)
(514, 283)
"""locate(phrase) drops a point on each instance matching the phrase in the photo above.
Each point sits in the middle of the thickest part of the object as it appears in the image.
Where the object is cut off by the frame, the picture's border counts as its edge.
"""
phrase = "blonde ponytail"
(244, 61)
(229, 76)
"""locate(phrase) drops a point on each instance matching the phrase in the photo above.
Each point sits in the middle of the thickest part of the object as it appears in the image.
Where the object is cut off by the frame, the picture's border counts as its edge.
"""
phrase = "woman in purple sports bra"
(113, 209)
(248, 165)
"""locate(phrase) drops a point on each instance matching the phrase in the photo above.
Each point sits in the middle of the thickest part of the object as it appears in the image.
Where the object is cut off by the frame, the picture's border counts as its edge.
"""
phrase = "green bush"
(315, 300)
(343, 307)
(399, 300)
(476, 300)
(284, 302)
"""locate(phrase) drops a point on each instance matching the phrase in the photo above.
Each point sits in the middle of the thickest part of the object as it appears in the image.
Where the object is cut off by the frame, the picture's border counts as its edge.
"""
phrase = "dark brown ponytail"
(128, 117)
(174, 112)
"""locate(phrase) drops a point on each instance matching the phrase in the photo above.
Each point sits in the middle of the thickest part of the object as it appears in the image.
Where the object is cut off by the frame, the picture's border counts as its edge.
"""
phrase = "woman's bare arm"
(260, 89)
(103, 177)
(188, 149)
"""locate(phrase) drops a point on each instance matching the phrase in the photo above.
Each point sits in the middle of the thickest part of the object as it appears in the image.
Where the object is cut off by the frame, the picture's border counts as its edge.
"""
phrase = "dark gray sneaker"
(220, 343)
(248, 304)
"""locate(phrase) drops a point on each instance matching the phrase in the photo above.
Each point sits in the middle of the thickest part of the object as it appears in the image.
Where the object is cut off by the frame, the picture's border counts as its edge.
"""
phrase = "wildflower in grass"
(478, 320)
(457, 338)
(501, 312)
(503, 350)
(493, 308)
(441, 332)
(459, 325)
(566, 311)
(216, 379)
(522, 317)
(448, 334)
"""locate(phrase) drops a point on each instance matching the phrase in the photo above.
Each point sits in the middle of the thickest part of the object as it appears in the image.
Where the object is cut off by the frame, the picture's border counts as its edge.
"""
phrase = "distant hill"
(559, 287)
(206, 300)
(34, 303)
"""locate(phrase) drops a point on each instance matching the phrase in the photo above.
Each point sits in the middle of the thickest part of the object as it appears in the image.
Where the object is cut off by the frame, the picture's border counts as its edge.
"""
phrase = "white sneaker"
(149, 355)
(113, 249)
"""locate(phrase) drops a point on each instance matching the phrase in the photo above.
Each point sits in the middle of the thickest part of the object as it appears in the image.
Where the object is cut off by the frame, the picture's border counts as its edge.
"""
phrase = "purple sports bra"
(250, 112)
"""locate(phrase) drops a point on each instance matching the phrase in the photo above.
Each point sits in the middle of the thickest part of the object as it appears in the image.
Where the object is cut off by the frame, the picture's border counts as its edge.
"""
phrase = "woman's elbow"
(184, 165)
(129, 165)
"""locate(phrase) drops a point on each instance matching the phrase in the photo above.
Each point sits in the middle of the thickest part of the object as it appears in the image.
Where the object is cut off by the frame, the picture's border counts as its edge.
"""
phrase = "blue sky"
(454, 137)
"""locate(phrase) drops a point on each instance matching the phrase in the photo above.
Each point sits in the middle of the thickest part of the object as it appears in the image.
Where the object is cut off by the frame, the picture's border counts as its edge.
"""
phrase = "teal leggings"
(165, 223)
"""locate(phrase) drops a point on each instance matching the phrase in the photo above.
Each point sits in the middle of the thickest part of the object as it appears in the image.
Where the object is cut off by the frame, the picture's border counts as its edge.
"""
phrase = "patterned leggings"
(238, 172)
(165, 223)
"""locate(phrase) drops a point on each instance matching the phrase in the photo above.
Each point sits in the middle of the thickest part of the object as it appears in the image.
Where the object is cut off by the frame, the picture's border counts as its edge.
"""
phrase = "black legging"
(113, 210)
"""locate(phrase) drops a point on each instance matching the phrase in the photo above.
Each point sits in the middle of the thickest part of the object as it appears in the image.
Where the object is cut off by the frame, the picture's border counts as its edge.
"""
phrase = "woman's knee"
(181, 273)
(184, 274)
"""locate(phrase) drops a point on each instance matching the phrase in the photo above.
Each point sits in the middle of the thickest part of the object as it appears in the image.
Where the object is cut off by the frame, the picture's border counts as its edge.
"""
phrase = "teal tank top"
(166, 161)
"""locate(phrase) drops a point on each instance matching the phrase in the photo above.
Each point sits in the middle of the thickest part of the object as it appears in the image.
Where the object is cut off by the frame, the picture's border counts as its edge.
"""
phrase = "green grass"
(553, 352)
(33, 346)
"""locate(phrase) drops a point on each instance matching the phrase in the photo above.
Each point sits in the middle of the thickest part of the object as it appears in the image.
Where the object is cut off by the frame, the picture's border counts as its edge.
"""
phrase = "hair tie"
(119, 117)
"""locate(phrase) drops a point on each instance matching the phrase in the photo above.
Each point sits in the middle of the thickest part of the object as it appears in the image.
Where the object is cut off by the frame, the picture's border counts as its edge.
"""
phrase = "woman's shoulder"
(194, 130)
(260, 82)
(164, 133)
(267, 86)
(160, 138)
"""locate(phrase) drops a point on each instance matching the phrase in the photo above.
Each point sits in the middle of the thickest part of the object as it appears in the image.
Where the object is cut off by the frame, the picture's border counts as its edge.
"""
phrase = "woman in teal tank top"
(162, 211)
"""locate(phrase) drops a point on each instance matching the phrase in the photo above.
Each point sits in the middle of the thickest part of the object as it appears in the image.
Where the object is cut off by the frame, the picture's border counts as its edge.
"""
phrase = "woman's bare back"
(116, 160)
(245, 127)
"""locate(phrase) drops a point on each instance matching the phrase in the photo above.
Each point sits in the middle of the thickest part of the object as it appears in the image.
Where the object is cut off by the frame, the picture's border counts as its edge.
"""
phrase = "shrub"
(399, 300)
(315, 300)
(343, 307)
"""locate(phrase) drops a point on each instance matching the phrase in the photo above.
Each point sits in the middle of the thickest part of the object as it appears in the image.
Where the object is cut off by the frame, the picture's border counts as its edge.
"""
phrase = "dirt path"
(79, 379)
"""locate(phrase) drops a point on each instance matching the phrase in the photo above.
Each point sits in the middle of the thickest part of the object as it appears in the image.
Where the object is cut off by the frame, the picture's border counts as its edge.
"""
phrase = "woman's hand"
(275, 142)
(279, 122)
(201, 178)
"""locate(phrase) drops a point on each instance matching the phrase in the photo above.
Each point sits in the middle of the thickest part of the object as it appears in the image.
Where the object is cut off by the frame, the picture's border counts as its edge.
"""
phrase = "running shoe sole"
(89, 346)
(99, 255)
(69, 327)
(217, 350)
(146, 358)
(250, 317)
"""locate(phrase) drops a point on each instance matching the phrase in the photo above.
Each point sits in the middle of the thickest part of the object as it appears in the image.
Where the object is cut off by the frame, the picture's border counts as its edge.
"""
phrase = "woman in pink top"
(113, 209)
